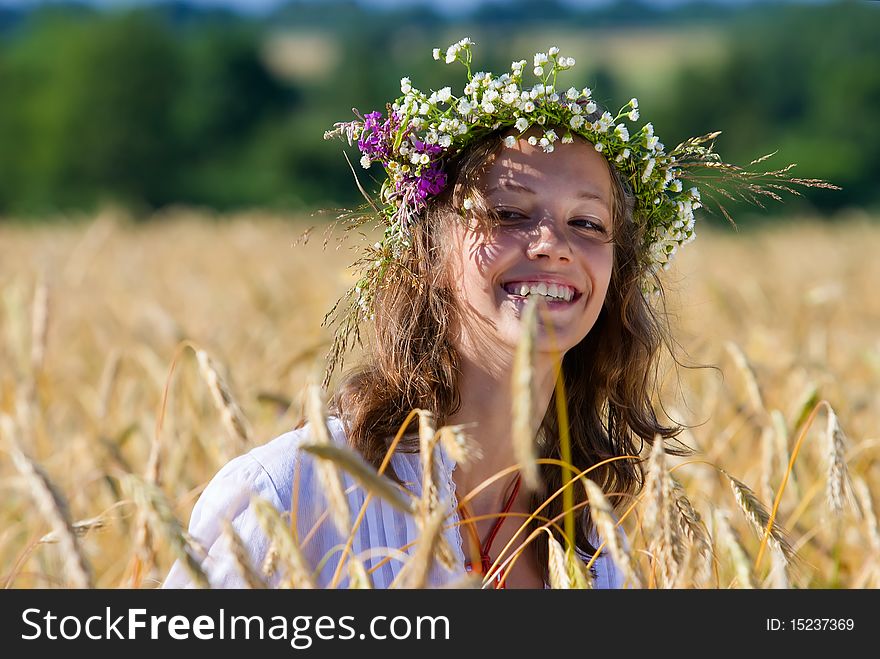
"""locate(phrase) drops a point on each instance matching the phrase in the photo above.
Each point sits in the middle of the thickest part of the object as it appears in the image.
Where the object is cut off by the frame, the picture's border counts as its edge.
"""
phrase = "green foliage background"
(173, 105)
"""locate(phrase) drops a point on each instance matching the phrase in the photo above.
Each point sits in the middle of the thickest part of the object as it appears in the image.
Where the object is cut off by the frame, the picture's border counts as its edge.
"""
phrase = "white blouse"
(268, 471)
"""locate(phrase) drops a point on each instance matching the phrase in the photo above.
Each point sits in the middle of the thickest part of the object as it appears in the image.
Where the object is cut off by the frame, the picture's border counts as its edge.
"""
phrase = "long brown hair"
(609, 376)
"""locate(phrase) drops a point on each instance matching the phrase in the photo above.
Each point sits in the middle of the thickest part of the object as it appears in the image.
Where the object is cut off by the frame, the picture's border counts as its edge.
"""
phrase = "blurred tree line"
(174, 104)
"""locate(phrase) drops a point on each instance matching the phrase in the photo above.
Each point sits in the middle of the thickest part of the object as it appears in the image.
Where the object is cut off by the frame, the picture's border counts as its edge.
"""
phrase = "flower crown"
(419, 134)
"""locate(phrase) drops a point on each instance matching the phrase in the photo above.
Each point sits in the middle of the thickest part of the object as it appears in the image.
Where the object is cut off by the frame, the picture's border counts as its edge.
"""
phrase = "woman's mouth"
(554, 295)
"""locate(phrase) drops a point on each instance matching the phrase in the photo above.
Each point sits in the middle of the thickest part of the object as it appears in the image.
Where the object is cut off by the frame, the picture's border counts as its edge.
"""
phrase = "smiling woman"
(488, 216)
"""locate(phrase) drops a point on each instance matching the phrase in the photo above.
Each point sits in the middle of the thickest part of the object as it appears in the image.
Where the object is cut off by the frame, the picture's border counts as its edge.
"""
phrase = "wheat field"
(95, 478)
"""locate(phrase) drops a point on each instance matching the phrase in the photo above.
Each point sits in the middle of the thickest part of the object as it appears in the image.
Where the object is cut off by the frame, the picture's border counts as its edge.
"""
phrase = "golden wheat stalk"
(230, 412)
(430, 477)
(695, 531)
(872, 530)
(557, 566)
(663, 541)
(415, 572)
(838, 489)
(241, 557)
(374, 483)
(753, 391)
(329, 477)
(727, 537)
(580, 577)
(290, 555)
(778, 576)
(270, 562)
(429, 501)
(155, 508)
(83, 526)
(757, 514)
(458, 444)
(53, 506)
(358, 577)
(523, 434)
(603, 516)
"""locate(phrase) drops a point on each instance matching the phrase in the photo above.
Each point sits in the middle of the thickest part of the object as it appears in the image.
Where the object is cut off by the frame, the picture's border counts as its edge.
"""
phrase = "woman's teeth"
(552, 291)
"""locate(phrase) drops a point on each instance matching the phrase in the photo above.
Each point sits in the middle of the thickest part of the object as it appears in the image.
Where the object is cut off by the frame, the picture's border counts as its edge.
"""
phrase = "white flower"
(510, 141)
(623, 132)
(436, 53)
(444, 94)
(405, 85)
(551, 135)
(649, 129)
(652, 141)
(528, 106)
(625, 153)
(575, 108)
(445, 141)
(509, 99)
(648, 169)
(540, 59)
(634, 102)
(425, 159)
(542, 119)
(576, 122)
(451, 53)
(533, 140)
(695, 194)
(676, 186)
(567, 138)
(572, 94)
(522, 124)
(605, 122)
(424, 108)
(539, 70)
(544, 143)
(633, 115)
(553, 52)
(491, 95)
(591, 107)
(488, 107)
(465, 107)
(365, 162)
(465, 42)
(554, 97)
(569, 62)
(599, 147)
(587, 92)
(468, 204)
(415, 158)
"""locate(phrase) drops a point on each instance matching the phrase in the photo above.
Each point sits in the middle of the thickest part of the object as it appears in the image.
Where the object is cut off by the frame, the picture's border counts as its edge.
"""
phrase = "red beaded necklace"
(485, 561)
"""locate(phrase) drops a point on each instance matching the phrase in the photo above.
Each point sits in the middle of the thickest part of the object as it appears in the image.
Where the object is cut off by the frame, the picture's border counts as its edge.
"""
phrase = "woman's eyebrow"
(513, 186)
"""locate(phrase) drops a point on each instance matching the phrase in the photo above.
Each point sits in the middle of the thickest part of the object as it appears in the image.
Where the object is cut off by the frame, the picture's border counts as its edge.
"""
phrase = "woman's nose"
(549, 241)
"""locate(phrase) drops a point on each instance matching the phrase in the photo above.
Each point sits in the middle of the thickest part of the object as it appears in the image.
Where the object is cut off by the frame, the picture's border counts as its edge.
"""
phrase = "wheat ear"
(53, 506)
(523, 376)
(603, 516)
(329, 477)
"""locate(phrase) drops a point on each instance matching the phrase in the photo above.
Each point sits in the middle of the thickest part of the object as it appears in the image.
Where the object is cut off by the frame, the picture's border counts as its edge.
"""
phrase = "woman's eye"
(509, 215)
(585, 223)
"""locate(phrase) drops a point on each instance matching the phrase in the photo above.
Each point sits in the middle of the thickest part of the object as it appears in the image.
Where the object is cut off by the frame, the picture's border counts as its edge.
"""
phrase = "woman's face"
(552, 245)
